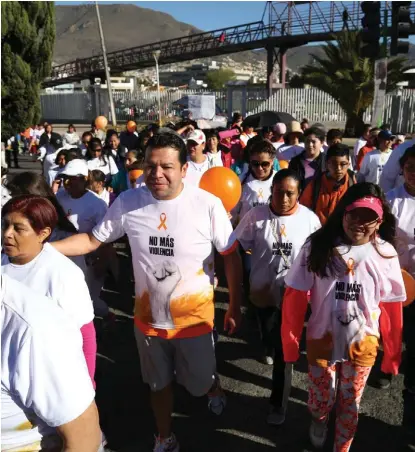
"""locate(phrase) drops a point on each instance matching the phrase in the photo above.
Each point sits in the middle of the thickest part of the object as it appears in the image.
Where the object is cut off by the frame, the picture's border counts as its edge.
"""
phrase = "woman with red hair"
(27, 223)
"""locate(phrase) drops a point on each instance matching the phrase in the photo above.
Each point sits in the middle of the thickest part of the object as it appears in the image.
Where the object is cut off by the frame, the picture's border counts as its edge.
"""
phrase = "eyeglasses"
(257, 164)
(342, 165)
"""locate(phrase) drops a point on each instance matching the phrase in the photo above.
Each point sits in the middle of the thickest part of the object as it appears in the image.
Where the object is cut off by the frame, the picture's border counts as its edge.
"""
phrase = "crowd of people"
(320, 231)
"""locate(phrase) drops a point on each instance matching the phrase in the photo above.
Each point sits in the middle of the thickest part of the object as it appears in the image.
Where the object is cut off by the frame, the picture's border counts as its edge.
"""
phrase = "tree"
(27, 40)
(347, 77)
(219, 78)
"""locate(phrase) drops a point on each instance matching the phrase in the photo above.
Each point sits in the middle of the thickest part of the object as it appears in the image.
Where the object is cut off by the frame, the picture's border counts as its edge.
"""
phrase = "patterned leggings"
(348, 381)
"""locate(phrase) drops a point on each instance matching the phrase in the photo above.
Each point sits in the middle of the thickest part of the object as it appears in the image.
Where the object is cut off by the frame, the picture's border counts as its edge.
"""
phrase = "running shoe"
(276, 416)
(217, 402)
(318, 433)
(167, 445)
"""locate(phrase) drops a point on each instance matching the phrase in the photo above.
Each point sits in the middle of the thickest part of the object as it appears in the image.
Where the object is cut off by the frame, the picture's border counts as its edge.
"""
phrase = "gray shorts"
(191, 360)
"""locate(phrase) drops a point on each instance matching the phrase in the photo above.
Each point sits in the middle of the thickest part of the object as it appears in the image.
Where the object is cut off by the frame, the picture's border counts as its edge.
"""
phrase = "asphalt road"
(128, 424)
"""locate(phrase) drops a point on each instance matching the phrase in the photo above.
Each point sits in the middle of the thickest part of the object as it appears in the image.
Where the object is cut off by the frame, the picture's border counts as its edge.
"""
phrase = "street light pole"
(107, 70)
(156, 55)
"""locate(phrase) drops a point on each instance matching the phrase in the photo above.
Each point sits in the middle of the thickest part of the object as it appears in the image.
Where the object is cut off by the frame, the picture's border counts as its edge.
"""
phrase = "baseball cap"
(368, 202)
(280, 128)
(76, 167)
(198, 136)
(386, 135)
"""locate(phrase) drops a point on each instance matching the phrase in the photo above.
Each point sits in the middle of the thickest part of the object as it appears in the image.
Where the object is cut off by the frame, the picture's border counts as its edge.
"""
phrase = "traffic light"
(401, 25)
(371, 30)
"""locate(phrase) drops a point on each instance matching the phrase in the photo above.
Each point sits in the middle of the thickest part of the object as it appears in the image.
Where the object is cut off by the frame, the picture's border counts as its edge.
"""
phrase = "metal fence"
(310, 103)
(318, 106)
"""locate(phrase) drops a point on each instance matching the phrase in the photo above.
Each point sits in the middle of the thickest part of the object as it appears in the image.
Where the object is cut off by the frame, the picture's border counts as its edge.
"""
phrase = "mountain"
(124, 26)
(127, 25)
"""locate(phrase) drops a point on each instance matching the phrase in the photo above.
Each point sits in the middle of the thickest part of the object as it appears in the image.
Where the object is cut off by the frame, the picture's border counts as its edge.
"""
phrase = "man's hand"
(232, 320)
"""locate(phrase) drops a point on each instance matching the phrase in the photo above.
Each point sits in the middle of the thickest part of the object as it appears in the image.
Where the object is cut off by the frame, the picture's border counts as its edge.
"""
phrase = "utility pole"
(107, 70)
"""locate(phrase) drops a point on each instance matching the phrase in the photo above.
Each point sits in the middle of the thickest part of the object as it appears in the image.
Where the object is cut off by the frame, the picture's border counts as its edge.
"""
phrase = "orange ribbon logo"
(350, 266)
(282, 230)
(260, 193)
(163, 218)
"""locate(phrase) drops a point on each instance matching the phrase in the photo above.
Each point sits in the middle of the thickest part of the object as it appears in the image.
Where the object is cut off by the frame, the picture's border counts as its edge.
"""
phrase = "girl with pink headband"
(351, 268)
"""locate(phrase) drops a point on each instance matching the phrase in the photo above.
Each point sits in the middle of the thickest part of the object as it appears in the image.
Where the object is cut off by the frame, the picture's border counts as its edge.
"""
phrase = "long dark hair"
(322, 259)
(29, 183)
(94, 143)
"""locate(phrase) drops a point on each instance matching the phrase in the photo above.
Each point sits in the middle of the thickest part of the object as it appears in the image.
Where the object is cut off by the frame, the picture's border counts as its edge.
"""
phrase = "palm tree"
(347, 77)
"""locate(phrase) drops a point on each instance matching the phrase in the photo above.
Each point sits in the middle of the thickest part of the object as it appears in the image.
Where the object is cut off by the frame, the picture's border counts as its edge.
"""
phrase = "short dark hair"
(262, 146)
(284, 174)
(168, 140)
(72, 126)
(333, 134)
(409, 153)
(315, 131)
(367, 126)
(96, 175)
(135, 166)
(85, 134)
(338, 150)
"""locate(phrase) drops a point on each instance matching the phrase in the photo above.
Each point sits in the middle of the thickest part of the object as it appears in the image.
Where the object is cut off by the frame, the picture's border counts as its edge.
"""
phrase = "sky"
(203, 15)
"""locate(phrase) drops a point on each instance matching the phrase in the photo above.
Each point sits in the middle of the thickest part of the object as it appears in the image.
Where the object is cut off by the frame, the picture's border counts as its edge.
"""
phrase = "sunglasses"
(257, 164)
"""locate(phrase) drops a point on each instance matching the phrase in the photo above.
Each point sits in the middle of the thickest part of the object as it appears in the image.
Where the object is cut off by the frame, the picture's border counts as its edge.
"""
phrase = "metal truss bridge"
(283, 25)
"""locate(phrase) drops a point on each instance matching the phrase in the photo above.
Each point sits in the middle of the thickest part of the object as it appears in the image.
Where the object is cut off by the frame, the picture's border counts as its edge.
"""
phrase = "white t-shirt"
(171, 244)
(346, 307)
(195, 171)
(59, 234)
(403, 207)
(216, 158)
(287, 152)
(84, 212)
(49, 163)
(254, 193)
(358, 145)
(104, 195)
(52, 274)
(71, 139)
(275, 242)
(372, 166)
(44, 378)
(107, 167)
(391, 176)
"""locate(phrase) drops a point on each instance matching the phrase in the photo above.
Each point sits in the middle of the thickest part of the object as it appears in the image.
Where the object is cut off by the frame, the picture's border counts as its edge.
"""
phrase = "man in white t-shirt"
(83, 208)
(391, 174)
(374, 161)
(198, 162)
(171, 227)
(45, 386)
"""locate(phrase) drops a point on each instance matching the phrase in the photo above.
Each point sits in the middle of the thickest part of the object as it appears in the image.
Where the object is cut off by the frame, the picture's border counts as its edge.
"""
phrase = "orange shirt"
(328, 197)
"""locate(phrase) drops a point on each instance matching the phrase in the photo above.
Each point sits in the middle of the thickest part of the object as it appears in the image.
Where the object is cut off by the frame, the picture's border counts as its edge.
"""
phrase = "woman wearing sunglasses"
(256, 184)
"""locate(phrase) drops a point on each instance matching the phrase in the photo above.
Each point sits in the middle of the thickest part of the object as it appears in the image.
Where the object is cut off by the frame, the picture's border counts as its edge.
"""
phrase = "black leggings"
(270, 320)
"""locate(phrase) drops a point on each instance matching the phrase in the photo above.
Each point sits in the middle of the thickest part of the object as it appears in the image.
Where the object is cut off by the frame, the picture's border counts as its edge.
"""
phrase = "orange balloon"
(409, 282)
(101, 122)
(131, 126)
(134, 174)
(223, 183)
(283, 164)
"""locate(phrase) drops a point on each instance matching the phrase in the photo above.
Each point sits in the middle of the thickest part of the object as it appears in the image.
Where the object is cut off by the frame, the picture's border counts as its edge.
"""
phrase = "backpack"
(317, 187)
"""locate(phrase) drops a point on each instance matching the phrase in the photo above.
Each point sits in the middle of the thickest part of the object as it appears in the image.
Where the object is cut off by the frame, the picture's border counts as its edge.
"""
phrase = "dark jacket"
(55, 140)
(297, 165)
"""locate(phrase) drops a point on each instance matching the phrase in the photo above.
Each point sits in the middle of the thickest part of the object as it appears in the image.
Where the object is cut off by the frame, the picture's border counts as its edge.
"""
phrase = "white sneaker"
(166, 445)
(268, 360)
(217, 403)
(318, 433)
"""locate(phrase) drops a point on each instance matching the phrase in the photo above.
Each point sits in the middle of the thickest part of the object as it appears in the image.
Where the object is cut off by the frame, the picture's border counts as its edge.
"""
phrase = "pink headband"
(368, 202)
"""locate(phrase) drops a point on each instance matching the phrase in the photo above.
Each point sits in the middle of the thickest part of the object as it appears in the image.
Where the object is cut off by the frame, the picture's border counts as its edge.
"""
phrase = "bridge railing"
(192, 44)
